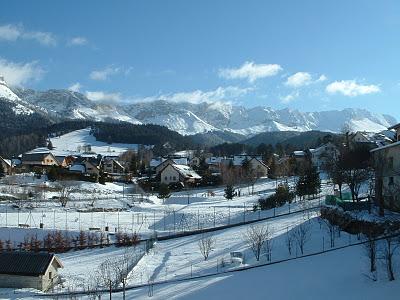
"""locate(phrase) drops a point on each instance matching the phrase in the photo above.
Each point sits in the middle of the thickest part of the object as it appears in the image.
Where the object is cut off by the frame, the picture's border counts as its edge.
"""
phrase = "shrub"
(281, 196)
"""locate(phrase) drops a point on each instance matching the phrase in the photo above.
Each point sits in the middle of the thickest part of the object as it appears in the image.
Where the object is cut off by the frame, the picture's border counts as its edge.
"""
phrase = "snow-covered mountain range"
(188, 118)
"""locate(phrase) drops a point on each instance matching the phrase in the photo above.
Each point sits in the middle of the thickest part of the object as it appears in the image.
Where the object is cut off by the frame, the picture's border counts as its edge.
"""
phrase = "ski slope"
(71, 142)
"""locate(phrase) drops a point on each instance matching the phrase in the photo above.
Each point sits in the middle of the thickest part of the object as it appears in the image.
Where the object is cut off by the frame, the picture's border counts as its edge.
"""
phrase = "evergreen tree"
(163, 192)
(52, 173)
(102, 178)
(229, 192)
(50, 145)
(309, 182)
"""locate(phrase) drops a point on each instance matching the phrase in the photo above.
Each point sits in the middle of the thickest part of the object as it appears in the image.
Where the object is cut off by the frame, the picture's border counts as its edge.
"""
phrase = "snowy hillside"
(188, 118)
(73, 141)
(19, 107)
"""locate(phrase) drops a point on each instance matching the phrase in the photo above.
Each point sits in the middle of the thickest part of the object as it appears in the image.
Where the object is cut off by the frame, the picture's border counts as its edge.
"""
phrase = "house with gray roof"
(20, 269)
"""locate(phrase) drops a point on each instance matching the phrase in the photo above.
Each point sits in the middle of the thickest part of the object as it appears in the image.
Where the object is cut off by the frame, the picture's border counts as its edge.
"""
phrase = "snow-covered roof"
(299, 153)
(186, 171)
(179, 161)
(78, 168)
(386, 146)
(214, 160)
(7, 161)
(380, 139)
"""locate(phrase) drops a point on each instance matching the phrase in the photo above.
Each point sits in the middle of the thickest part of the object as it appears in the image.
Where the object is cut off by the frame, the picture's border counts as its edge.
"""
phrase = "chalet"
(173, 173)
(42, 159)
(86, 166)
(6, 164)
(65, 160)
(239, 159)
(29, 270)
(112, 166)
(215, 163)
(161, 163)
(387, 159)
(258, 167)
(91, 168)
(324, 154)
(370, 139)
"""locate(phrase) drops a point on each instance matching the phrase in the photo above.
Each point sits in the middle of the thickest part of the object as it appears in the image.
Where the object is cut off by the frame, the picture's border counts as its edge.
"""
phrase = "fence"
(221, 269)
(163, 224)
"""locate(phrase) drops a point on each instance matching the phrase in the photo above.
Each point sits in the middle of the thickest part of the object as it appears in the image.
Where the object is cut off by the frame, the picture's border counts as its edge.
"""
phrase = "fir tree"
(163, 192)
(50, 145)
(229, 192)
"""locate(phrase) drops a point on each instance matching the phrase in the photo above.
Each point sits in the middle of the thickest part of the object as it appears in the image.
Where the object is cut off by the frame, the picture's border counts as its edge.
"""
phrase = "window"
(391, 180)
(166, 177)
(50, 275)
(174, 178)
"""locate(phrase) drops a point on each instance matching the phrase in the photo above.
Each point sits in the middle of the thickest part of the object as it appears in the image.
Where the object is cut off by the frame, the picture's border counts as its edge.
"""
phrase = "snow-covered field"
(117, 206)
(333, 275)
(121, 208)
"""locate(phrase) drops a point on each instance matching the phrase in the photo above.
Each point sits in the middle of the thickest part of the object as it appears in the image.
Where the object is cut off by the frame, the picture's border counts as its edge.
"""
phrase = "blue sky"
(308, 55)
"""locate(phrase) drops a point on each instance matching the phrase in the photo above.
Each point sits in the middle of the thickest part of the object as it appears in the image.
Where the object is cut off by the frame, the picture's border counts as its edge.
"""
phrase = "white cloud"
(44, 38)
(250, 71)
(77, 41)
(289, 98)
(17, 74)
(226, 94)
(104, 74)
(103, 96)
(76, 87)
(299, 79)
(10, 32)
(351, 88)
(198, 96)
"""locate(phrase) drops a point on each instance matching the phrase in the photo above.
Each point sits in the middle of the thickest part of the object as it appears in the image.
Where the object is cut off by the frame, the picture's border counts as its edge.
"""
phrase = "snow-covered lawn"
(334, 275)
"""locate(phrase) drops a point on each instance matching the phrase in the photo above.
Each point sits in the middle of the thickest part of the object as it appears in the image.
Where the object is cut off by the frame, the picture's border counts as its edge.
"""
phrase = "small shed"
(28, 270)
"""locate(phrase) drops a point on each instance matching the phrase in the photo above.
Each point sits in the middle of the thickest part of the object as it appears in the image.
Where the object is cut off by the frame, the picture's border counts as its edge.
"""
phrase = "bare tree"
(370, 249)
(64, 194)
(122, 268)
(230, 176)
(331, 229)
(356, 168)
(256, 237)
(335, 170)
(302, 234)
(107, 275)
(289, 240)
(206, 245)
(93, 286)
(387, 252)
